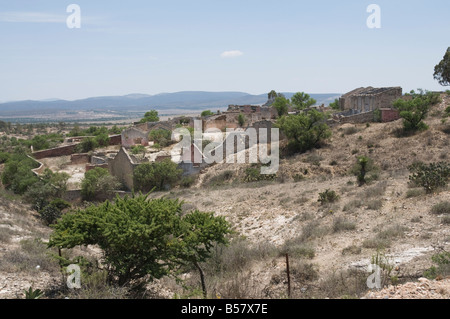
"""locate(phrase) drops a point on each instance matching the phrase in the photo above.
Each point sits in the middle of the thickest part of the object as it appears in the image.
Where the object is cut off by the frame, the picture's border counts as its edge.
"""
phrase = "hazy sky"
(252, 46)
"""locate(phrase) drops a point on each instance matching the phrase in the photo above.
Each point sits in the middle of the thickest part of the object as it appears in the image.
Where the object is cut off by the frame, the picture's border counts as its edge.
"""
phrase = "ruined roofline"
(370, 91)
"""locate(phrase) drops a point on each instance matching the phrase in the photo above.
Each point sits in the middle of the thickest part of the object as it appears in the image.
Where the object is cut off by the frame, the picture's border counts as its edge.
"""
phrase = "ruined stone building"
(369, 99)
(134, 136)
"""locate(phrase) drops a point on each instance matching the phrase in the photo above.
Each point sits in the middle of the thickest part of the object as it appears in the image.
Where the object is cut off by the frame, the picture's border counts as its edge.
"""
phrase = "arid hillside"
(329, 245)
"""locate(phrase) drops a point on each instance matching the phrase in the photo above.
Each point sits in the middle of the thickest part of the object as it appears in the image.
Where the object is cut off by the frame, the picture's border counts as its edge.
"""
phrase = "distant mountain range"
(133, 105)
(191, 100)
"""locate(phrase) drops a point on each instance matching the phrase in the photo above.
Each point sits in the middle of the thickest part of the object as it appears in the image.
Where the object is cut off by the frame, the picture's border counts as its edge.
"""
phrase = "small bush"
(53, 211)
(297, 248)
(442, 268)
(313, 230)
(188, 181)
(374, 204)
(302, 271)
(376, 243)
(314, 159)
(329, 196)
(253, 174)
(357, 203)
(431, 176)
(394, 231)
(341, 224)
(220, 179)
(443, 208)
(415, 192)
(350, 130)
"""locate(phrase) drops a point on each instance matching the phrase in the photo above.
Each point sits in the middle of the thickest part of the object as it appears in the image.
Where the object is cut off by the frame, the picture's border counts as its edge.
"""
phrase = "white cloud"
(231, 54)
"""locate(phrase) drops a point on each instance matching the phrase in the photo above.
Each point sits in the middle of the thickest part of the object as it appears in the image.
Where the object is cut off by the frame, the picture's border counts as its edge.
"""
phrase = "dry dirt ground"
(281, 210)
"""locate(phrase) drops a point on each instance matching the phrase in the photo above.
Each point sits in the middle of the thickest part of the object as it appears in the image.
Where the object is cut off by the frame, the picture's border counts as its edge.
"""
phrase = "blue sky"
(252, 46)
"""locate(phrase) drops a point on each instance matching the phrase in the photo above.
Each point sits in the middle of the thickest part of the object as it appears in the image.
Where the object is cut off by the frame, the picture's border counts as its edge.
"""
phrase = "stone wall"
(369, 99)
(80, 158)
(358, 118)
(122, 166)
(389, 115)
(134, 136)
(115, 139)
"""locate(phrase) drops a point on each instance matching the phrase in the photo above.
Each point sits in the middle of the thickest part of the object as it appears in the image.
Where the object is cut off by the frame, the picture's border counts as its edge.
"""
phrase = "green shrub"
(33, 293)
(17, 175)
(188, 181)
(253, 174)
(87, 145)
(98, 184)
(442, 268)
(161, 137)
(329, 196)
(156, 175)
(4, 157)
(137, 149)
(431, 176)
(206, 113)
(142, 239)
(53, 211)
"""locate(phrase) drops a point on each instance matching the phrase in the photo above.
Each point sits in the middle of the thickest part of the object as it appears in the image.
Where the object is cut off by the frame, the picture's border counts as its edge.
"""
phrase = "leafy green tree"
(415, 110)
(272, 95)
(40, 142)
(336, 105)
(53, 211)
(98, 184)
(115, 130)
(76, 131)
(281, 104)
(142, 239)
(88, 144)
(207, 113)
(301, 100)
(156, 175)
(50, 186)
(304, 131)
(442, 70)
(102, 139)
(151, 116)
(161, 137)
(17, 175)
(4, 157)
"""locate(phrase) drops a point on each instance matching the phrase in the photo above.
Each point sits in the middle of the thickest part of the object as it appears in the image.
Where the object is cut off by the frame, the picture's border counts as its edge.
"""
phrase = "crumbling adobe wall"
(115, 139)
(81, 158)
(389, 115)
(358, 118)
(122, 166)
(133, 136)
